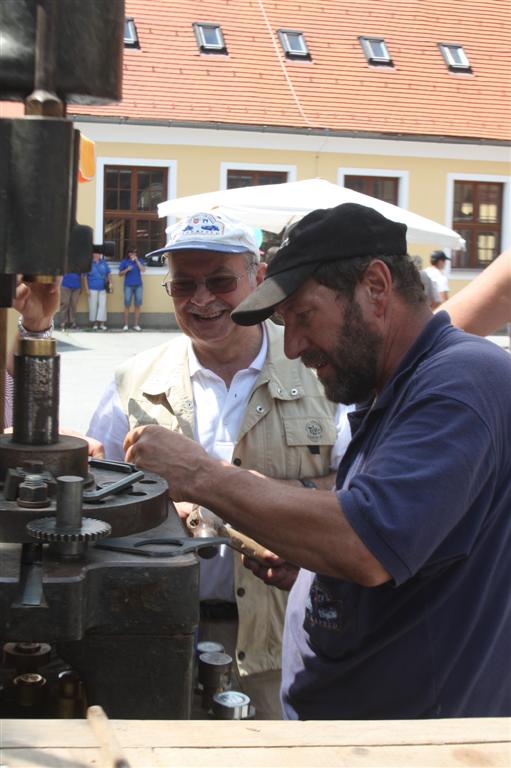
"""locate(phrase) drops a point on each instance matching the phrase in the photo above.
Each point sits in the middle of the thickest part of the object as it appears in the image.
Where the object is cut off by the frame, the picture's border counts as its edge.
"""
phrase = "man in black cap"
(436, 272)
(401, 606)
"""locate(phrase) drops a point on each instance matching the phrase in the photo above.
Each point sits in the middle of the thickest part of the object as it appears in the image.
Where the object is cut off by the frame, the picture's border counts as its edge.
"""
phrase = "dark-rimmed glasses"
(217, 284)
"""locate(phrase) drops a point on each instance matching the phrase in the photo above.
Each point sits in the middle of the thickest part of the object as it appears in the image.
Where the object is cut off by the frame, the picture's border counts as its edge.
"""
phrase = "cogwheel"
(45, 529)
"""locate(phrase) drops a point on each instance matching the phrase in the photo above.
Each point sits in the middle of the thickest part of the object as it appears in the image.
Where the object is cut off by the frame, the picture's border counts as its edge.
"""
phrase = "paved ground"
(88, 360)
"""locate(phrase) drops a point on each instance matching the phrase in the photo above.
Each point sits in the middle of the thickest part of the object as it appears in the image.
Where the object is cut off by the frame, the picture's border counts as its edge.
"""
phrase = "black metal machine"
(76, 612)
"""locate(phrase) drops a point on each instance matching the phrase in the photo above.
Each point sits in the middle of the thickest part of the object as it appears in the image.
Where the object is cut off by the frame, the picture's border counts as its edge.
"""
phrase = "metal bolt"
(33, 492)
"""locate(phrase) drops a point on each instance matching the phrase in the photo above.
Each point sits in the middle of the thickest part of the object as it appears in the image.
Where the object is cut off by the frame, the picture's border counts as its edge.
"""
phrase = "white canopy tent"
(273, 206)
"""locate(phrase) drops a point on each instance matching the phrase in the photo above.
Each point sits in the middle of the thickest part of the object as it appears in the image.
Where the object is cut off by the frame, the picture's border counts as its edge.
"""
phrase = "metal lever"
(115, 466)
(112, 488)
(183, 546)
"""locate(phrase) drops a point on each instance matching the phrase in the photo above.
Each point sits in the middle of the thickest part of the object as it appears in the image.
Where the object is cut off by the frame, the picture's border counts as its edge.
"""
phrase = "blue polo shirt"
(72, 281)
(426, 484)
(96, 277)
(133, 277)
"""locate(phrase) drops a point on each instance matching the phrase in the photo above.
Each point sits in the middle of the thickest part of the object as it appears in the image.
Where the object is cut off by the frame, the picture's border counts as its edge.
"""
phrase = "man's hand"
(37, 303)
(278, 573)
(175, 457)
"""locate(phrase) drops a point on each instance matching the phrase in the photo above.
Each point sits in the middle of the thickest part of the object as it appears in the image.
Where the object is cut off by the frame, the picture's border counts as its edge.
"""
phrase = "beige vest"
(287, 432)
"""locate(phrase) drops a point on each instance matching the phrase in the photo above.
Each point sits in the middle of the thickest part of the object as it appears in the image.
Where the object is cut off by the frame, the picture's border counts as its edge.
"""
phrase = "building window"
(477, 217)
(209, 37)
(241, 178)
(293, 43)
(376, 51)
(131, 196)
(455, 57)
(130, 33)
(382, 187)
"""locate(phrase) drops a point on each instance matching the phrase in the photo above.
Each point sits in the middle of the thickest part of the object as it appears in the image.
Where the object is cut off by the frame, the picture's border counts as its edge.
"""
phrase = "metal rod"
(69, 503)
(44, 75)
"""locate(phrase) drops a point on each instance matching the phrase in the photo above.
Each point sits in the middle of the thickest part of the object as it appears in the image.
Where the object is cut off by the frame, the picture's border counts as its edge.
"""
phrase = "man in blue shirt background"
(401, 607)
(131, 267)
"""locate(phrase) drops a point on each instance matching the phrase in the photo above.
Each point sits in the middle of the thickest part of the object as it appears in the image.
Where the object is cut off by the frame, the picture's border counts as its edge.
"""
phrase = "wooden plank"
(418, 756)
(256, 733)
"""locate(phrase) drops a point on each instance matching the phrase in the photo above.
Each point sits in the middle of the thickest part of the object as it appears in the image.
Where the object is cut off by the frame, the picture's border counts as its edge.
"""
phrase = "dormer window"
(130, 33)
(293, 43)
(376, 51)
(455, 57)
(209, 37)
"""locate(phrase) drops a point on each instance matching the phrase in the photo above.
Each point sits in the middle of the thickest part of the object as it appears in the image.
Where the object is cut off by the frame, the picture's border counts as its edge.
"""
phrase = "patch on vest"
(314, 431)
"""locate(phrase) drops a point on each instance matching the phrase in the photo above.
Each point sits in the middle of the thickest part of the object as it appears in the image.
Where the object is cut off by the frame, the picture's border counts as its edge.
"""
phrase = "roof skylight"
(293, 43)
(375, 50)
(455, 57)
(209, 37)
(130, 33)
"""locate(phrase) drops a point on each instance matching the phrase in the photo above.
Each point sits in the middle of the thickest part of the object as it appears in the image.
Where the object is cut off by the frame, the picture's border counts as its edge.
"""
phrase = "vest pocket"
(309, 431)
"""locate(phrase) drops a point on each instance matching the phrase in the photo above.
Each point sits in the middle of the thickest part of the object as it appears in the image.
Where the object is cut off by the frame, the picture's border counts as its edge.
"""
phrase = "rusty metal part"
(26, 657)
(46, 529)
(214, 675)
(33, 492)
(36, 395)
(232, 705)
(30, 689)
(68, 456)
(68, 532)
(71, 695)
(89, 48)
(140, 507)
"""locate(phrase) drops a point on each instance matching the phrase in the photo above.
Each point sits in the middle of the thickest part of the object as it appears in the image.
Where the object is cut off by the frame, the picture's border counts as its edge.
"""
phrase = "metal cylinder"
(36, 393)
(69, 503)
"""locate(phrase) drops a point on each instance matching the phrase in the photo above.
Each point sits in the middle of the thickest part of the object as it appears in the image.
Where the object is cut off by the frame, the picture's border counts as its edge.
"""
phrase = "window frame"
(225, 167)
(132, 41)
(372, 58)
(289, 51)
(129, 162)
(382, 173)
(204, 47)
(505, 219)
(452, 65)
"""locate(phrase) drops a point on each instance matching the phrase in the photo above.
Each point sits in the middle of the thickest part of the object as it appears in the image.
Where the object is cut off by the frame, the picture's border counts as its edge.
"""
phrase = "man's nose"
(202, 295)
(294, 343)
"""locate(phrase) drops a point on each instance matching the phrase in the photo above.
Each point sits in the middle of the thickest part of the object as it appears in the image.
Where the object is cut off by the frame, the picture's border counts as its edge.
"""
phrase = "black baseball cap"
(326, 234)
(438, 256)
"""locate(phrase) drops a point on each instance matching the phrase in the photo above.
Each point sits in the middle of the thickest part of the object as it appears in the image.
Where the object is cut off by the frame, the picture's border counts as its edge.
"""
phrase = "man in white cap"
(232, 389)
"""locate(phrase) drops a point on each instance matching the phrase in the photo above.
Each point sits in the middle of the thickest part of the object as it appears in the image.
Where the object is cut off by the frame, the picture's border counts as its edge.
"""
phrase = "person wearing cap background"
(401, 608)
(436, 272)
(232, 389)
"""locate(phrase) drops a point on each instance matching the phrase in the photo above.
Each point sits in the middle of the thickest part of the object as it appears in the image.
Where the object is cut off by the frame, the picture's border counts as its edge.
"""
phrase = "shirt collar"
(195, 367)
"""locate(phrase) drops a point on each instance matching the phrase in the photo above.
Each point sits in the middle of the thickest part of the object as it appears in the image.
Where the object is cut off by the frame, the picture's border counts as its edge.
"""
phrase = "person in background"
(437, 274)
(131, 268)
(430, 288)
(401, 607)
(484, 305)
(70, 290)
(232, 390)
(99, 283)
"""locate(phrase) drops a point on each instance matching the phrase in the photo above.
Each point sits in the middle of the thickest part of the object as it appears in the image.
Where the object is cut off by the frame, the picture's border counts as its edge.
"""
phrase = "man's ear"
(261, 272)
(376, 284)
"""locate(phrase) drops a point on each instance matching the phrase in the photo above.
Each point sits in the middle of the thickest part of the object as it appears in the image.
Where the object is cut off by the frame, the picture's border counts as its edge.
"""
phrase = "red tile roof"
(168, 79)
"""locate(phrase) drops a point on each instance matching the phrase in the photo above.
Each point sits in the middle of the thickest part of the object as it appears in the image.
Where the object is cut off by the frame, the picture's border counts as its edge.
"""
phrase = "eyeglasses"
(216, 284)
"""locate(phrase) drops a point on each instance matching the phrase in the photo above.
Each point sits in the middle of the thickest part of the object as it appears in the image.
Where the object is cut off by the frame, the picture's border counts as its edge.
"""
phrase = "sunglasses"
(216, 284)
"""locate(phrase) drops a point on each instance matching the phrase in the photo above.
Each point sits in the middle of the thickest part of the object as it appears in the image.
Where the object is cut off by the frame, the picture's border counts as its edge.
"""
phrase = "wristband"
(24, 333)
(308, 484)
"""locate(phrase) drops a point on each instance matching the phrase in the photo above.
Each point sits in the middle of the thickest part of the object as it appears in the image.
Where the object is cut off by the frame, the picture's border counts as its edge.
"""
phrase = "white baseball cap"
(210, 232)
